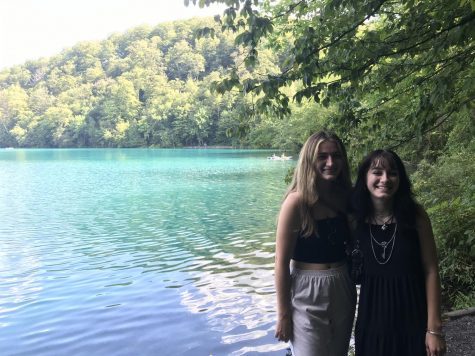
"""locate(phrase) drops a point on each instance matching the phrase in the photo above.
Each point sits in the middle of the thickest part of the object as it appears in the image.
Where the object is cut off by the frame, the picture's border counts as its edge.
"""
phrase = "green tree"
(183, 62)
(40, 99)
(147, 54)
(14, 111)
(119, 106)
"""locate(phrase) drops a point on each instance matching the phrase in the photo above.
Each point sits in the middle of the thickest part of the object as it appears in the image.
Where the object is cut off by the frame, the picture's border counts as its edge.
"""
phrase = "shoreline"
(454, 314)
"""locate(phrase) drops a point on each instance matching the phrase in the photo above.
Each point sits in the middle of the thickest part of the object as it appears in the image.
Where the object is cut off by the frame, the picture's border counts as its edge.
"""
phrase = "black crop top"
(327, 245)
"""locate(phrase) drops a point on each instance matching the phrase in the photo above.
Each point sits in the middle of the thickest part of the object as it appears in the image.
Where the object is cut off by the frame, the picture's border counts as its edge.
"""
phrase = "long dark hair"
(404, 204)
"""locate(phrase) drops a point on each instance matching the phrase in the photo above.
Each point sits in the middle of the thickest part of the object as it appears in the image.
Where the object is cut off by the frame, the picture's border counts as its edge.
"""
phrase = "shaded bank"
(460, 333)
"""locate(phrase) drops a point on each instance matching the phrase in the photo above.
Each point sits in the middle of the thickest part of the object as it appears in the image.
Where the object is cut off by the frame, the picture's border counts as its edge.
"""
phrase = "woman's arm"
(287, 230)
(435, 344)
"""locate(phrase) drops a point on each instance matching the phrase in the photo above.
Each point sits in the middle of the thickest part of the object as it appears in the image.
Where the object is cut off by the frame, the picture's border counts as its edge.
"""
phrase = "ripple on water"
(121, 252)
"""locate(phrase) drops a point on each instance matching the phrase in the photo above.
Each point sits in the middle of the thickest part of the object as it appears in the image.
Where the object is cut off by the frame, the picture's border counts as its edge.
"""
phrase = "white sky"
(30, 29)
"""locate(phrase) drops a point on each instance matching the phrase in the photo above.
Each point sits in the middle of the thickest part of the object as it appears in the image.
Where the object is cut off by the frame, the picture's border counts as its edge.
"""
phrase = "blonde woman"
(315, 295)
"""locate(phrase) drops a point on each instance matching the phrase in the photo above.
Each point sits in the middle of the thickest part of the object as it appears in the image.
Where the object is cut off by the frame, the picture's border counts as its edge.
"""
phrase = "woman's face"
(329, 161)
(382, 181)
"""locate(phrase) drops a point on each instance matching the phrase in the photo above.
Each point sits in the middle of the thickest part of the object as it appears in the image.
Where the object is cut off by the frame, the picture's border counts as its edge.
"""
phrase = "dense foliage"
(146, 87)
(396, 68)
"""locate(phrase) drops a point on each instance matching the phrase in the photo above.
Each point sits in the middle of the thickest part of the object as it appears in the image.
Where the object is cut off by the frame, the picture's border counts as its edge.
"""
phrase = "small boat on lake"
(282, 157)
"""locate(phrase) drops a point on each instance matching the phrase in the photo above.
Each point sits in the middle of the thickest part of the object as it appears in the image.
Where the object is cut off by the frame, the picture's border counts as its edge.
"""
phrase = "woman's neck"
(382, 208)
(333, 197)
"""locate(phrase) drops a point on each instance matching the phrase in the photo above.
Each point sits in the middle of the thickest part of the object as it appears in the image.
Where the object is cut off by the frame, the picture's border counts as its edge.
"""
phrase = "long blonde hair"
(305, 182)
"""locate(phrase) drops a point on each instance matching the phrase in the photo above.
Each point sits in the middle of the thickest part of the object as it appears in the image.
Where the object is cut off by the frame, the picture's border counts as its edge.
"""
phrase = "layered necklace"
(383, 258)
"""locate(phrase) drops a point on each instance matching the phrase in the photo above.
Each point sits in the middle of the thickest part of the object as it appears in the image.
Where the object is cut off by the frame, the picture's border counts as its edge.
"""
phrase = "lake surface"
(138, 251)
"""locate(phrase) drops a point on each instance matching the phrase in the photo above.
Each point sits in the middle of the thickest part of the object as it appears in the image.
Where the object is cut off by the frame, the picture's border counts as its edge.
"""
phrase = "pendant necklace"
(386, 223)
(383, 245)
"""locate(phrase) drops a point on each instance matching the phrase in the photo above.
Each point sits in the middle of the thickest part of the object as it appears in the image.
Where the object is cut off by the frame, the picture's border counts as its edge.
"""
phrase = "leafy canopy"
(378, 60)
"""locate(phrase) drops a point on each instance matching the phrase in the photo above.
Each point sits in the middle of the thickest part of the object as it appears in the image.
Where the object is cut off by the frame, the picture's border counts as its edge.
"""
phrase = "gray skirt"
(323, 309)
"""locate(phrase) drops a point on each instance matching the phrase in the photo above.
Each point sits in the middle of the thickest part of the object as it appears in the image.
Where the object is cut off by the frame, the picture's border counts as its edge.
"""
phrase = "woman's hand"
(435, 345)
(283, 330)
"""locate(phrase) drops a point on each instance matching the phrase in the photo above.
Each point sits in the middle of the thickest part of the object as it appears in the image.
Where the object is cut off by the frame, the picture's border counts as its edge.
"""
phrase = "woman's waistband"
(324, 269)
(316, 266)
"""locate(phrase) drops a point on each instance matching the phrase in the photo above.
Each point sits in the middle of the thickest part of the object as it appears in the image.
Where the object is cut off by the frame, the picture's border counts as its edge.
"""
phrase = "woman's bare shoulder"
(293, 199)
(291, 205)
(295, 195)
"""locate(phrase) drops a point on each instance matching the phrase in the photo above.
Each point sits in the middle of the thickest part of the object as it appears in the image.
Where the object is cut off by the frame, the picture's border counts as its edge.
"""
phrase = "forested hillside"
(145, 87)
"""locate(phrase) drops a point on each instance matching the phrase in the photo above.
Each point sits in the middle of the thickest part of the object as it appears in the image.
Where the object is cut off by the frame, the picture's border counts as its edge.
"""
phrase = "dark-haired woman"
(315, 295)
(399, 303)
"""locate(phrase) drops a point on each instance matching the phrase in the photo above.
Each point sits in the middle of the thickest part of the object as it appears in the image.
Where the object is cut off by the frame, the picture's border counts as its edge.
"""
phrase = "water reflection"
(236, 294)
(23, 285)
(110, 252)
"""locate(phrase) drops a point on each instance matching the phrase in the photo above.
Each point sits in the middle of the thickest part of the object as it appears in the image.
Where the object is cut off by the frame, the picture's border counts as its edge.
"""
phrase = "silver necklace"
(383, 245)
(385, 222)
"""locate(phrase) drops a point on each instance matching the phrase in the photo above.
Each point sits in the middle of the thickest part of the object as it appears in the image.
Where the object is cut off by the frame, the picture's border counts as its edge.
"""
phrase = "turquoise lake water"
(138, 251)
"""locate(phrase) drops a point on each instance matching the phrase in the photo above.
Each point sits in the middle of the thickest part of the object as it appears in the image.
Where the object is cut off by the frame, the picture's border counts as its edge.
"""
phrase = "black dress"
(392, 309)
